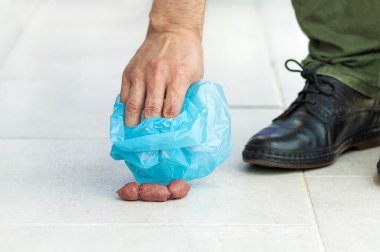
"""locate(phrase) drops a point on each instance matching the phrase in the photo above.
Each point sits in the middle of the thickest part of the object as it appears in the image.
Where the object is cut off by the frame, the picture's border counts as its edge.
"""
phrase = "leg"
(339, 107)
(344, 34)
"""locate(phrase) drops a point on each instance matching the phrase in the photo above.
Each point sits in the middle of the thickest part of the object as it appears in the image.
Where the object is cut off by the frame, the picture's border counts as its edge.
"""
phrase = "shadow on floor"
(376, 180)
(262, 170)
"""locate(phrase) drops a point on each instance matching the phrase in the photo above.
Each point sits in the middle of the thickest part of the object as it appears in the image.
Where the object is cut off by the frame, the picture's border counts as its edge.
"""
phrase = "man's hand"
(157, 78)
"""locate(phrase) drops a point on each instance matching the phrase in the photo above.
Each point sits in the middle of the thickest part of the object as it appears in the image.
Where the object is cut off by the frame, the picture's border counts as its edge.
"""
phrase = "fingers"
(175, 95)
(125, 85)
(154, 96)
(135, 103)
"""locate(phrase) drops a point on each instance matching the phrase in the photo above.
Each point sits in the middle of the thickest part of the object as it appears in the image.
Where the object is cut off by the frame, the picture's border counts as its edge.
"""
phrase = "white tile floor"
(60, 67)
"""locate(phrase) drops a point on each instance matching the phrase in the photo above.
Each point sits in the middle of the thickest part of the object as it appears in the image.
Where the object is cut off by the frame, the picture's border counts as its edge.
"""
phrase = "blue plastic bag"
(189, 146)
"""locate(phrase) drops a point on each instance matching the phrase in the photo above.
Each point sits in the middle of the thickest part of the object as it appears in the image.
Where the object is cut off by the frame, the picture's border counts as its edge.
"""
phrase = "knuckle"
(156, 65)
(180, 75)
(132, 108)
(180, 71)
(126, 72)
(135, 78)
(170, 111)
(152, 110)
(124, 78)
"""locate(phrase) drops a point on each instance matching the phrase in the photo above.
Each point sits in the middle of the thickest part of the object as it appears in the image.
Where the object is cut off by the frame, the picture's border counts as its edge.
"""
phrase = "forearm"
(174, 15)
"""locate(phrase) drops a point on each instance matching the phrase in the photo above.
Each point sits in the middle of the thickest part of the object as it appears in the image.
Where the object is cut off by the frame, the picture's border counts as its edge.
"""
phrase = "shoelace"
(311, 78)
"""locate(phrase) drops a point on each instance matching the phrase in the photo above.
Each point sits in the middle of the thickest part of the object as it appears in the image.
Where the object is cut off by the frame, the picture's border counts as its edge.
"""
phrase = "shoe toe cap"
(277, 138)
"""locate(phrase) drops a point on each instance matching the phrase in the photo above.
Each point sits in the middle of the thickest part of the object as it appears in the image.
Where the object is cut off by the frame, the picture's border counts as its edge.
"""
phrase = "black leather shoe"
(325, 120)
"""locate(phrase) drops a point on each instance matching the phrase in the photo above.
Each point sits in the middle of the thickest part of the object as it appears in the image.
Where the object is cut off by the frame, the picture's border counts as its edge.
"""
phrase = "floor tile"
(16, 12)
(71, 11)
(73, 181)
(149, 238)
(286, 41)
(62, 42)
(66, 107)
(351, 163)
(347, 212)
(8, 35)
(14, 16)
(98, 50)
(236, 54)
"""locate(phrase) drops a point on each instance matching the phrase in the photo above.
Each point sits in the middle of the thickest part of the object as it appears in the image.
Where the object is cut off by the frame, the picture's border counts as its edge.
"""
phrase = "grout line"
(21, 30)
(313, 216)
(150, 225)
(268, 49)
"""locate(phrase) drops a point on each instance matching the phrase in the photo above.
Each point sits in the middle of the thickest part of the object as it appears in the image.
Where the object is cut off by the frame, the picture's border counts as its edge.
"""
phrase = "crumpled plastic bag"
(189, 146)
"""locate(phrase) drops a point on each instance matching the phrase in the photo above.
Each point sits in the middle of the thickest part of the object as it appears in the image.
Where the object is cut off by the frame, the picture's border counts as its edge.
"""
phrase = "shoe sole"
(364, 140)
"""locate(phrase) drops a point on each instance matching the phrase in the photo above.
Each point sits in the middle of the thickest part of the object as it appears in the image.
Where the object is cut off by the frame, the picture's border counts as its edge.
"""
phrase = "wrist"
(160, 24)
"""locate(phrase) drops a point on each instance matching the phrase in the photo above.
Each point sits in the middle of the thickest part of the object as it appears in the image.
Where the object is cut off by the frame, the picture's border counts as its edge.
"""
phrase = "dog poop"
(153, 192)
(178, 189)
(129, 192)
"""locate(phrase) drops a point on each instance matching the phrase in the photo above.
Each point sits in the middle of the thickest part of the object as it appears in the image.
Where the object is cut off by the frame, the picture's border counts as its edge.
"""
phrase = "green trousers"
(344, 37)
